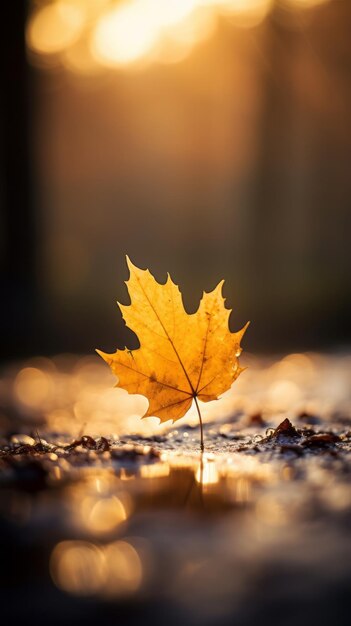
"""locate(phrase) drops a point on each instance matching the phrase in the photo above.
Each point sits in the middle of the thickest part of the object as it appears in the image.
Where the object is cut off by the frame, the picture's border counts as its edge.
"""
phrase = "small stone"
(286, 429)
(23, 440)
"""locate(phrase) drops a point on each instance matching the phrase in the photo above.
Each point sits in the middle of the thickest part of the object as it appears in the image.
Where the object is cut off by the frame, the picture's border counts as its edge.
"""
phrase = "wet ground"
(105, 518)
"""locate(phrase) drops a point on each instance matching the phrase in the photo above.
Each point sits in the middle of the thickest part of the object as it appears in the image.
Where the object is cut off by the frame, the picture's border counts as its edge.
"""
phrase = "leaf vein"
(156, 381)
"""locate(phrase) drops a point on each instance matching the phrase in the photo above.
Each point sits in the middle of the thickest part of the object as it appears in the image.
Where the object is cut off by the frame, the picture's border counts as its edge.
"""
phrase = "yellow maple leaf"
(182, 357)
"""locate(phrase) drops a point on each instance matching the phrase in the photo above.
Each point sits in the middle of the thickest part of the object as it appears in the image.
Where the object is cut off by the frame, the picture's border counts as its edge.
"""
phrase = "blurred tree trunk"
(18, 236)
(300, 192)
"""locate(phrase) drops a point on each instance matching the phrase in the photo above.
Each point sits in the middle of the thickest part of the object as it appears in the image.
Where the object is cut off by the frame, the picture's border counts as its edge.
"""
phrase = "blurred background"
(207, 138)
(210, 139)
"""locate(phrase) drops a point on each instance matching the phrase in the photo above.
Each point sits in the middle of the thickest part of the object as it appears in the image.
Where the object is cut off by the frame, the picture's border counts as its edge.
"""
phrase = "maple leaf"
(182, 357)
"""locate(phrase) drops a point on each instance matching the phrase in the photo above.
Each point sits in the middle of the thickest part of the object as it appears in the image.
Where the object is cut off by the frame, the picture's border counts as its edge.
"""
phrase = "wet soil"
(142, 528)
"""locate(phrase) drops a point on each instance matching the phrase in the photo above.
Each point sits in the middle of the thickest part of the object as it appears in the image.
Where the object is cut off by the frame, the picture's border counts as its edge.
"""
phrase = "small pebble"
(23, 440)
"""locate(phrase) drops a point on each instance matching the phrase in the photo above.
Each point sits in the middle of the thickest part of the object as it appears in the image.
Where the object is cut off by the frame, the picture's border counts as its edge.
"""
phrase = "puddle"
(143, 528)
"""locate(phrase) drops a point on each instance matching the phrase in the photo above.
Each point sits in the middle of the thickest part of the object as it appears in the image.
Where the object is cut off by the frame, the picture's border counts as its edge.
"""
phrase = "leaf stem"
(201, 426)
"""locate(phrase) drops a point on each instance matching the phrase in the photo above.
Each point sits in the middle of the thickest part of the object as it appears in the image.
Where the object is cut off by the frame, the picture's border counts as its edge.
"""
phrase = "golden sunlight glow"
(123, 35)
(92, 8)
(55, 27)
(305, 4)
(207, 473)
(79, 59)
(155, 470)
(245, 13)
(283, 394)
(242, 490)
(168, 13)
(178, 41)
(89, 34)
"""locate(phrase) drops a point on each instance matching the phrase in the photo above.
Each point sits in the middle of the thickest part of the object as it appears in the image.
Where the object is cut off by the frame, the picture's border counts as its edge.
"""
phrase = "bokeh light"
(55, 27)
(102, 515)
(124, 568)
(76, 396)
(83, 568)
(123, 35)
(78, 567)
(94, 34)
(33, 387)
